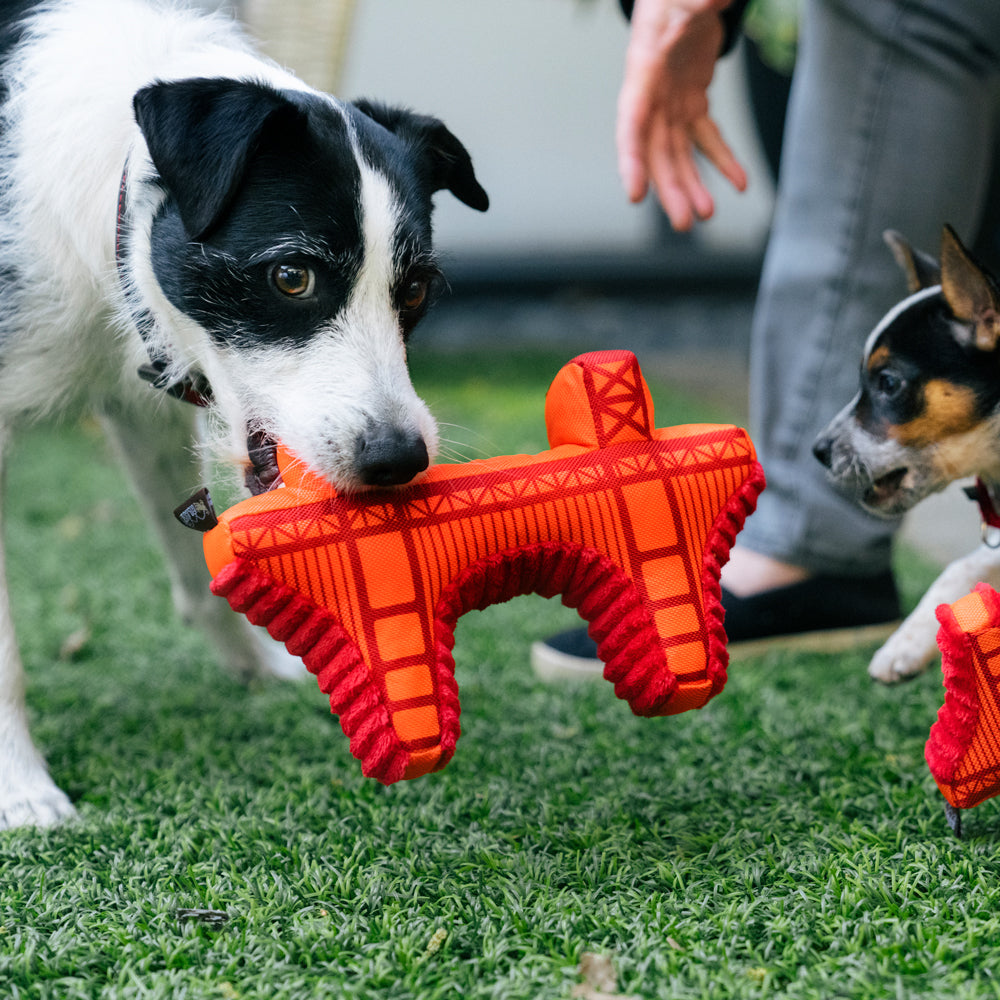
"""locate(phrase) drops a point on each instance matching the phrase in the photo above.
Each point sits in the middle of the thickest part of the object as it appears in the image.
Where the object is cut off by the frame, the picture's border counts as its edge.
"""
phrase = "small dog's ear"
(970, 292)
(201, 134)
(921, 270)
(445, 161)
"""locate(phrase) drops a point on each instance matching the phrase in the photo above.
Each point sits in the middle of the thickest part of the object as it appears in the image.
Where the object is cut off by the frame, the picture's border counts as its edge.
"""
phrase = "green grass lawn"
(785, 841)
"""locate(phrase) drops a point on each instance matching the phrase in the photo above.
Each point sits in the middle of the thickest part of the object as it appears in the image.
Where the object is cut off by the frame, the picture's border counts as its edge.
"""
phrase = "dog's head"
(286, 251)
(928, 409)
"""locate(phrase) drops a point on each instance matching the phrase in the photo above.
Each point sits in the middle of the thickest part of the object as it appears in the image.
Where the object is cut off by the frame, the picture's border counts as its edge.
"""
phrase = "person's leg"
(890, 126)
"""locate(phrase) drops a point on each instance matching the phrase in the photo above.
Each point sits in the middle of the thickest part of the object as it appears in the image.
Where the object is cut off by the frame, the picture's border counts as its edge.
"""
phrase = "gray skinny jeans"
(893, 123)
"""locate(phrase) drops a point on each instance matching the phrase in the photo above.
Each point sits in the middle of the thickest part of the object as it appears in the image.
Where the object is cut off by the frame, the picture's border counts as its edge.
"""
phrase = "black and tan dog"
(927, 413)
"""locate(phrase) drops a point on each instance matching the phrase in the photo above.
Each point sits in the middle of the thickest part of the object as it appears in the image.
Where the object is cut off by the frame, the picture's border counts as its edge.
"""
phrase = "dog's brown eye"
(293, 280)
(414, 295)
(888, 383)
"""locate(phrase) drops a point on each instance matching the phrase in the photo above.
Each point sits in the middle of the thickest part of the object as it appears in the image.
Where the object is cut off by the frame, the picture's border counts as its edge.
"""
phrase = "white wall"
(530, 87)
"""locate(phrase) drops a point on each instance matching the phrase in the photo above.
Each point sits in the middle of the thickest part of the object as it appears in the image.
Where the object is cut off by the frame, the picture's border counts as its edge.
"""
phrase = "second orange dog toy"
(630, 524)
(963, 748)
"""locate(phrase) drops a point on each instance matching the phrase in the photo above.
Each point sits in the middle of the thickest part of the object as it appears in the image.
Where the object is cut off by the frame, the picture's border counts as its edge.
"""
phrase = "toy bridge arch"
(630, 525)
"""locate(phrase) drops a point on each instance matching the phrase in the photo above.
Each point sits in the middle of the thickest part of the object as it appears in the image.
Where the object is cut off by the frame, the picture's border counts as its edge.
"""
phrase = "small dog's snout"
(390, 457)
(823, 449)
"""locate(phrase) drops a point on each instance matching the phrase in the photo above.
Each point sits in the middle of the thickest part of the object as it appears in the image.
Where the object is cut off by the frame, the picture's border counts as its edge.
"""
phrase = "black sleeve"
(731, 18)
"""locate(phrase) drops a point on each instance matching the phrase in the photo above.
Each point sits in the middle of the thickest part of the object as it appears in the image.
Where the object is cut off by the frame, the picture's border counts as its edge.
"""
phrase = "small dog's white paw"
(899, 660)
(41, 804)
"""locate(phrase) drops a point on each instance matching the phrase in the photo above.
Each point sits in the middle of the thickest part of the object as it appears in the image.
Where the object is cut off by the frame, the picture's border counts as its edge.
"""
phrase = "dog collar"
(983, 496)
(193, 387)
(262, 472)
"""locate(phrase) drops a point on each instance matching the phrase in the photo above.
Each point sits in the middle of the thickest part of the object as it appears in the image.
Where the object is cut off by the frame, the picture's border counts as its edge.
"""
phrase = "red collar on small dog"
(987, 511)
(193, 387)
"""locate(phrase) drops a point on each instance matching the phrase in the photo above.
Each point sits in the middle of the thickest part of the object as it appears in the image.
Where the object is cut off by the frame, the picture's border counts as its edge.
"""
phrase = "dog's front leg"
(28, 795)
(913, 645)
(158, 447)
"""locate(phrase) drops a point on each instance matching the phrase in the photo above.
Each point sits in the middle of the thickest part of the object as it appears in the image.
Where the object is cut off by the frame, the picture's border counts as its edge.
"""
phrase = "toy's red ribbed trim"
(328, 652)
(720, 541)
(622, 628)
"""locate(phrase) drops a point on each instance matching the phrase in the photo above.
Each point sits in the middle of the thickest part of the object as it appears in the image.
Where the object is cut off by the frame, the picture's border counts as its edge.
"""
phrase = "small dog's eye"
(888, 383)
(293, 280)
(414, 295)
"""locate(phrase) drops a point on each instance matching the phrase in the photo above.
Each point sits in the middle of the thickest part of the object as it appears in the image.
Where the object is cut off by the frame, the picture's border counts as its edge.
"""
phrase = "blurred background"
(530, 87)
(561, 259)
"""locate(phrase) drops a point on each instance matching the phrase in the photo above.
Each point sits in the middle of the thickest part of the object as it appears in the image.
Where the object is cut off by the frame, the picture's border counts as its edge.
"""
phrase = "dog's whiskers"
(454, 455)
(491, 447)
(459, 451)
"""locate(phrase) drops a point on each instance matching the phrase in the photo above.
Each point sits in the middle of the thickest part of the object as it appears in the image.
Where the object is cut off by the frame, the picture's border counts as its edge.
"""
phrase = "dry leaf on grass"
(600, 981)
(74, 643)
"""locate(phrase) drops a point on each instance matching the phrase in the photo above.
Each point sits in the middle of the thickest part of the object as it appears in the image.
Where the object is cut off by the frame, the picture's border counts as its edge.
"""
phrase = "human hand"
(663, 107)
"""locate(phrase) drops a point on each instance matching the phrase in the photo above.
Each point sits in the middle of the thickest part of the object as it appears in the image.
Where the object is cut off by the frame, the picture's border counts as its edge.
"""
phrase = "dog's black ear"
(201, 134)
(446, 162)
(920, 268)
(970, 292)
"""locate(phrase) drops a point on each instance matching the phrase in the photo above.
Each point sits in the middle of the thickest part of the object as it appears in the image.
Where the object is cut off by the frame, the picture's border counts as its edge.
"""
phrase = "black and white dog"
(927, 413)
(172, 201)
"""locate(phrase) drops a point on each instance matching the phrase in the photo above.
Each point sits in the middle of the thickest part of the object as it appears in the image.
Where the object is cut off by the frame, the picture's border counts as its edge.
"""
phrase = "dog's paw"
(246, 652)
(41, 805)
(249, 654)
(899, 660)
(276, 661)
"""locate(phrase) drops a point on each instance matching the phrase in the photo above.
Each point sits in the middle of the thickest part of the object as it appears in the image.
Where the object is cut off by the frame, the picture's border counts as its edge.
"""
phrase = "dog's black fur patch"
(12, 29)
(209, 245)
(230, 155)
(919, 347)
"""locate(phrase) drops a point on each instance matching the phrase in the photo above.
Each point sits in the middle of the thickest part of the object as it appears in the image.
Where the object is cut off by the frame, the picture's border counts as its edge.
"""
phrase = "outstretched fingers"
(663, 120)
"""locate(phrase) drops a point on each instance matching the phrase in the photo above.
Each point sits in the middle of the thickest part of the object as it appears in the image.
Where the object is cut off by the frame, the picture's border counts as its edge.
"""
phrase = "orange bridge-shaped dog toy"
(631, 525)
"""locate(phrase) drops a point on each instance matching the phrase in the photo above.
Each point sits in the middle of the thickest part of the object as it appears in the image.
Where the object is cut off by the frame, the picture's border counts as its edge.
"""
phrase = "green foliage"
(774, 27)
(786, 841)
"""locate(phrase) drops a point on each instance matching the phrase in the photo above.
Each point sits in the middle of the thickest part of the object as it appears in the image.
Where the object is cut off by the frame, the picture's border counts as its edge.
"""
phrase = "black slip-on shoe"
(821, 614)
(570, 655)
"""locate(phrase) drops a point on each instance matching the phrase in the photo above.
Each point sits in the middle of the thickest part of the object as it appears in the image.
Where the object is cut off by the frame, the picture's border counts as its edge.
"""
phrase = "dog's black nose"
(390, 457)
(823, 450)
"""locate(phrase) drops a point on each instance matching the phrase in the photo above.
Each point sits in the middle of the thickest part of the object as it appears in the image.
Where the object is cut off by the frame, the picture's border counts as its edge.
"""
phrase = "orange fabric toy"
(963, 749)
(629, 524)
